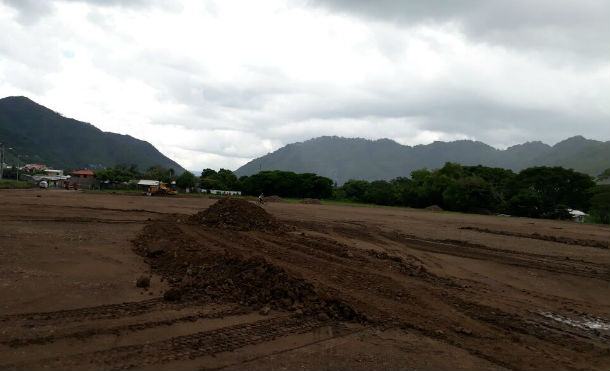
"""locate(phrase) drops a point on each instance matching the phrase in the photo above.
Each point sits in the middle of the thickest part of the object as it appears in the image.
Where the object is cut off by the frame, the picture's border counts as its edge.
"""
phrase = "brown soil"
(236, 214)
(293, 287)
(311, 201)
(274, 199)
(536, 236)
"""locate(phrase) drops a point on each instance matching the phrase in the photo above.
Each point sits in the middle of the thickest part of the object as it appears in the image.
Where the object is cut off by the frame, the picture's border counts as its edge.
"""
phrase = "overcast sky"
(218, 83)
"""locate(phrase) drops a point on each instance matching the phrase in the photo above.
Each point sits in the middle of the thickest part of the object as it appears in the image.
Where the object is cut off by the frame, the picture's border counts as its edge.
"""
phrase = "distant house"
(53, 181)
(143, 184)
(84, 178)
(51, 172)
(577, 215)
(34, 167)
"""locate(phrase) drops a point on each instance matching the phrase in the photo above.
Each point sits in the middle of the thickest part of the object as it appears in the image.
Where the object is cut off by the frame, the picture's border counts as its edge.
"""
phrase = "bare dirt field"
(294, 286)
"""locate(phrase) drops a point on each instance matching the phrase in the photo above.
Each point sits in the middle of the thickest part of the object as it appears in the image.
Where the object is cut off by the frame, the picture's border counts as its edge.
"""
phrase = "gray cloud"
(30, 11)
(578, 29)
(506, 72)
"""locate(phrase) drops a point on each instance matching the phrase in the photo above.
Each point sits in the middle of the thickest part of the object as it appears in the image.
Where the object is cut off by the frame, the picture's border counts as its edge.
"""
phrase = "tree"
(555, 186)
(604, 175)
(471, 194)
(287, 184)
(158, 173)
(600, 203)
(526, 202)
(208, 173)
(356, 189)
(186, 180)
(380, 192)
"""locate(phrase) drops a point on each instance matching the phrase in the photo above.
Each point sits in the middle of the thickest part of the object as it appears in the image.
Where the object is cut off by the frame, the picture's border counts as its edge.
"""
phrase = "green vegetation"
(341, 159)
(539, 192)
(12, 183)
(600, 203)
(40, 135)
(186, 180)
(287, 184)
(222, 179)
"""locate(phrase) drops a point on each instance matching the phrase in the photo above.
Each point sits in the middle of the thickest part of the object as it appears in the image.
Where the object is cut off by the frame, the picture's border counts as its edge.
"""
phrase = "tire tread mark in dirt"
(187, 347)
(466, 250)
(76, 219)
(83, 334)
(97, 208)
(541, 237)
(516, 323)
(99, 312)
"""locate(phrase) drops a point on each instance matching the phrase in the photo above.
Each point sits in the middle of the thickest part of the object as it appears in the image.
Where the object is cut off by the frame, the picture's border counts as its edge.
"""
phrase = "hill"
(47, 137)
(342, 159)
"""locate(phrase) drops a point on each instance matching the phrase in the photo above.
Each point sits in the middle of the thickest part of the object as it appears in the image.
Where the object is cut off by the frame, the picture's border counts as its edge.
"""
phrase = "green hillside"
(47, 137)
(342, 159)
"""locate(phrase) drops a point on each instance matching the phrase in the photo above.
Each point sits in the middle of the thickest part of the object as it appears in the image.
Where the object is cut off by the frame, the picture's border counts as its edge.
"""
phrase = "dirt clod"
(143, 281)
(265, 310)
(172, 294)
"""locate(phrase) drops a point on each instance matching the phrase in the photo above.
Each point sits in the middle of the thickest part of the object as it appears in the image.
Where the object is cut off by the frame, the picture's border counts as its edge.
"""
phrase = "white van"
(43, 184)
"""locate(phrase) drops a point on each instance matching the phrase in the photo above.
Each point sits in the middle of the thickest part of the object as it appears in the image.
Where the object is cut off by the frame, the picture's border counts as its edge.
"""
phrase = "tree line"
(537, 192)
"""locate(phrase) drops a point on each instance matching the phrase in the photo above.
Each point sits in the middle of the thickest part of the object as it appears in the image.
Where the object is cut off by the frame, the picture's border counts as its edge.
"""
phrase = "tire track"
(99, 312)
(115, 330)
(185, 347)
(522, 259)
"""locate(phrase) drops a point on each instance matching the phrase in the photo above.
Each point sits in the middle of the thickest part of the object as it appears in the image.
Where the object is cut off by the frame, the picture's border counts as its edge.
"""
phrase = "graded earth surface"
(229, 284)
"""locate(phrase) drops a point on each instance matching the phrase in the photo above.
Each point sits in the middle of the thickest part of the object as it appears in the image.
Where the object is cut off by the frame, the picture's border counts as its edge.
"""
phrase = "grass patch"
(14, 184)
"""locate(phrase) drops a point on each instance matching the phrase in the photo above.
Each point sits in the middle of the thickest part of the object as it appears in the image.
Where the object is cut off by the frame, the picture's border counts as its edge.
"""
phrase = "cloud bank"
(217, 84)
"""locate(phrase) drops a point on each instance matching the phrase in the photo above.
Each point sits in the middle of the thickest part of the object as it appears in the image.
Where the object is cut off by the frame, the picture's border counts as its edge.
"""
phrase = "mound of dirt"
(197, 270)
(274, 199)
(256, 283)
(237, 214)
(434, 208)
(311, 201)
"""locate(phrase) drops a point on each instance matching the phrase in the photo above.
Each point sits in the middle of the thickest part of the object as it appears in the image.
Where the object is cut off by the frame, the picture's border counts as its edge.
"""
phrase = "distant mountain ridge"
(342, 159)
(47, 137)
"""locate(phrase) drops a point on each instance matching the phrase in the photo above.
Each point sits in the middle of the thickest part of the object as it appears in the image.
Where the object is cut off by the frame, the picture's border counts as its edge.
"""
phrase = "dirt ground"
(294, 286)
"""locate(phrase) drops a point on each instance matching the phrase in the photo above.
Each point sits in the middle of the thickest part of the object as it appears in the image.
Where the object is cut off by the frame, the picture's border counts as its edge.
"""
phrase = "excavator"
(161, 189)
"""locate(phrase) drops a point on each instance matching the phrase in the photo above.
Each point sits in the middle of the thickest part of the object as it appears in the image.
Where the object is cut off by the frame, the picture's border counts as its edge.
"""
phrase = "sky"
(214, 84)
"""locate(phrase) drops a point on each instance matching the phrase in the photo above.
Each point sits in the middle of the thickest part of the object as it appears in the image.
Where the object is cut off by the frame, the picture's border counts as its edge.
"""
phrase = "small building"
(52, 181)
(143, 184)
(51, 172)
(84, 178)
(35, 167)
(577, 215)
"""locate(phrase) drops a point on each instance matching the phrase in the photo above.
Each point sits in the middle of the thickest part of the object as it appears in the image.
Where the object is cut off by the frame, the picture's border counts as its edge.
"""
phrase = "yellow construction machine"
(161, 189)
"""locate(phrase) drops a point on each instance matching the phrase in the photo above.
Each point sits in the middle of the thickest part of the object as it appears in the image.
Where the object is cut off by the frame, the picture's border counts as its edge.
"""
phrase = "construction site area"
(94, 281)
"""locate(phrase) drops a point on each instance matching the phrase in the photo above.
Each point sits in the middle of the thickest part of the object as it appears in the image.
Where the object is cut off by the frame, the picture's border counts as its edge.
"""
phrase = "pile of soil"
(311, 201)
(257, 283)
(196, 270)
(274, 199)
(434, 208)
(236, 214)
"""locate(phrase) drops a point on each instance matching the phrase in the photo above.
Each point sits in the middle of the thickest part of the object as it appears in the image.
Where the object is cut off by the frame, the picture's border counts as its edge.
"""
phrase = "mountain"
(342, 159)
(45, 136)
